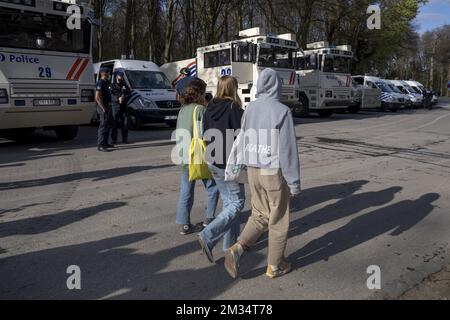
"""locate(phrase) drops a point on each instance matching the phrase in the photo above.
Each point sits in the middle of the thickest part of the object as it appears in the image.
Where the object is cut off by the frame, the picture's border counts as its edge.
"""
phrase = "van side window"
(359, 81)
(217, 58)
(370, 84)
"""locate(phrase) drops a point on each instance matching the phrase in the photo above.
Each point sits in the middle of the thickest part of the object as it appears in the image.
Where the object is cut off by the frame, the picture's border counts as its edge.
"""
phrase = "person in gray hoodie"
(271, 156)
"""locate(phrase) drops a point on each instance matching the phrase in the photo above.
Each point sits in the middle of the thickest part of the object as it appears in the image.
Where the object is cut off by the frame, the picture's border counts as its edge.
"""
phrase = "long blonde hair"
(227, 89)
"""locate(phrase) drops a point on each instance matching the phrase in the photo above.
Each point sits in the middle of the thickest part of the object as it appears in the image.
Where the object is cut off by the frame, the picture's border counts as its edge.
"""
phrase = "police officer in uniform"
(120, 96)
(103, 98)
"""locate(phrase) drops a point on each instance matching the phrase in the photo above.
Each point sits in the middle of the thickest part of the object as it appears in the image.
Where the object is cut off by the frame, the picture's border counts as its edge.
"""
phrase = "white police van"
(416, 97)
(390, 100)
(45, 68)
(153, 99)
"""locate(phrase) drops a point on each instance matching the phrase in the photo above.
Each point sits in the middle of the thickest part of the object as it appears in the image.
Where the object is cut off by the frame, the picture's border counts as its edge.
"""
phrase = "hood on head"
(218, 107)
(269, 84)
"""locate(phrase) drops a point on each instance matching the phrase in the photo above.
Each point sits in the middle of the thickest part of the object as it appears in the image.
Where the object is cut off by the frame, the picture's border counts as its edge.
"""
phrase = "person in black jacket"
(121, 94)
(223, 115)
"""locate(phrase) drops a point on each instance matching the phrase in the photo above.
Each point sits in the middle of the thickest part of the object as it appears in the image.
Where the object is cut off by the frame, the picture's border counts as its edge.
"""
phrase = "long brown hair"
(194, 93)
(227, 89)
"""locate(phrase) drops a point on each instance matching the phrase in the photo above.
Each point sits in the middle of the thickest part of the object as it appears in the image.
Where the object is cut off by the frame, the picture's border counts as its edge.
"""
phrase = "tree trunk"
(171, 18)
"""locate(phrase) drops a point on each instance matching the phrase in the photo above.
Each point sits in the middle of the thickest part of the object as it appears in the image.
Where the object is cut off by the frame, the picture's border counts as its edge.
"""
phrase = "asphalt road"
(376, 192)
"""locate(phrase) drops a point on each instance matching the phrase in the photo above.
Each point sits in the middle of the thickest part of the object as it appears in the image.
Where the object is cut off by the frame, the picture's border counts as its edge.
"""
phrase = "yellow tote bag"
(198, 169)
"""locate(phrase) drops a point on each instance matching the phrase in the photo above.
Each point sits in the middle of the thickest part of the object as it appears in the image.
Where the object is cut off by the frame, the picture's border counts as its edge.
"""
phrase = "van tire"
(354, 109)
(66, 132)
(134, 122)
(301, 110)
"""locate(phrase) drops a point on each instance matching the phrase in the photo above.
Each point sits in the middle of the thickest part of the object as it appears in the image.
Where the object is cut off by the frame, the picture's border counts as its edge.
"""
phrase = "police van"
(45, 67)
(416, 97)
(325, 82)
(153, 99)
(390, 100)
(244, 58)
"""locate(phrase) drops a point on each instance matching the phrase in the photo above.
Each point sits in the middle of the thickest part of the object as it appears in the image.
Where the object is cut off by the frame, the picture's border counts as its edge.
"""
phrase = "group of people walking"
(271, 183)
(112, 99)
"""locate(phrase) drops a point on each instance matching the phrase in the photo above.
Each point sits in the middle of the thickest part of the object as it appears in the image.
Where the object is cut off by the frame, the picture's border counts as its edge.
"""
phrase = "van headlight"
(146, 104)
(87, 95)
(3, 96)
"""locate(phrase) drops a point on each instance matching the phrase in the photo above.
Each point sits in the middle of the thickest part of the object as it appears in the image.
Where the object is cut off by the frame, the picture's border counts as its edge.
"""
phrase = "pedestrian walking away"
(192, 97)
(224, 113)
(103, 98)
(120, 96)
(271, 181)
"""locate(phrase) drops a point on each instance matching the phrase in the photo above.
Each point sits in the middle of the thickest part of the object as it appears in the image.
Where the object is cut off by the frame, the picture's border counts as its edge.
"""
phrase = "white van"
(407, 97)
(416, 98)
(417, 86)
(389, 99)
(153, 99)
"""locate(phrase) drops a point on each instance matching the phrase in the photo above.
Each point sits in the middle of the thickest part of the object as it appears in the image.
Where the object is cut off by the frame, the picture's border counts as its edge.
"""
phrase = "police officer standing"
(104, 99)
(120, 94)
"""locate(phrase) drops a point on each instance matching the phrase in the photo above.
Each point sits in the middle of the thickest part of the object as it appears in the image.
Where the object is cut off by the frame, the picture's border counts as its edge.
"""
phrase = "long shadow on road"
(110, 268)
(396, 219)
(47, 223)
(400, 216)
(94, 175)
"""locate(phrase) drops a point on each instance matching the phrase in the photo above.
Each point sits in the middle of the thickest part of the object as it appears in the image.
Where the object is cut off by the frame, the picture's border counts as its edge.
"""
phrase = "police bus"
(46, 72)
(244, 58)
(325, 81)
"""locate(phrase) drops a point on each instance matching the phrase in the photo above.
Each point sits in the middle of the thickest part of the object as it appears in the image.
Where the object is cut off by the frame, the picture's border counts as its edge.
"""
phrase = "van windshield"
(147, 80)
(417, 90)
(384, 87)
(395, 89)
(276, 57)
(37, 31)
(337, 64)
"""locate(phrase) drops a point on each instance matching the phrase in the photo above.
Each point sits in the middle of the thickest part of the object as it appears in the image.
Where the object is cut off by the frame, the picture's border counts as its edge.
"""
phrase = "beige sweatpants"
(270, 210)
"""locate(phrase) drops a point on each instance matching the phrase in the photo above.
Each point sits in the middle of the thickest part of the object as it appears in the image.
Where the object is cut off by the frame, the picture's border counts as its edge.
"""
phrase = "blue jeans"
(227, 223)
(186, 200)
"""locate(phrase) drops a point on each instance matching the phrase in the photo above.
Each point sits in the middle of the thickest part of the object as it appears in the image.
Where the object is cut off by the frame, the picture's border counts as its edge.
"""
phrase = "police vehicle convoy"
(45, 67)
(153, 99)
(416, 98)
(325, 82)
(245, 58)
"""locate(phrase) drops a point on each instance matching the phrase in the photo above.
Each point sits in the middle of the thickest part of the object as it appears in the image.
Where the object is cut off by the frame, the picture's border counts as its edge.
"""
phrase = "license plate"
(170, 117)
(342, 97)
(47, 102)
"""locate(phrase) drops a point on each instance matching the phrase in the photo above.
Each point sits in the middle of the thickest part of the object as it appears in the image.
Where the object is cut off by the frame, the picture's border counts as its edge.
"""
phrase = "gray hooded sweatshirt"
(270, 141)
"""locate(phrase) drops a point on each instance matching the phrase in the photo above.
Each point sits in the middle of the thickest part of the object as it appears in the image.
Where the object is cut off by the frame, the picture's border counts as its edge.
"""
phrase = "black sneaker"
(110, 146)
(207, 222)
(190, 229)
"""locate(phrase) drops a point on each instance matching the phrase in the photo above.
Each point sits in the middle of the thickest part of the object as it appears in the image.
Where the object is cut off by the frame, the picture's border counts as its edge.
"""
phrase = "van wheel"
(325, 113)
(133, 121)
(66, 132)
(301, 109)
(354, 108)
